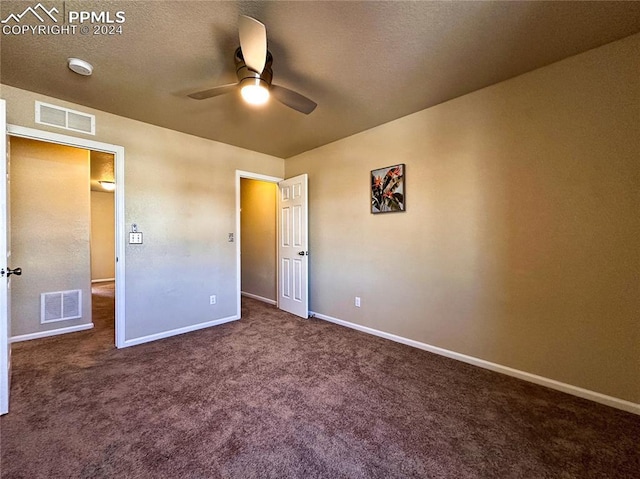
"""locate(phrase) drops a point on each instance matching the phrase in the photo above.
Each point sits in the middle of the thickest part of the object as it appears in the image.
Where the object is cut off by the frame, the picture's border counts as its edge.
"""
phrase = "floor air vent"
(60, 306)
(53, 115)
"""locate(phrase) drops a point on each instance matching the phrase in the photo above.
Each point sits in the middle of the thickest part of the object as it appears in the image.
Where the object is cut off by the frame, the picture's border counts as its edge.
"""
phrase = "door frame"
(5, 299)
(118, 153)
(251, 176)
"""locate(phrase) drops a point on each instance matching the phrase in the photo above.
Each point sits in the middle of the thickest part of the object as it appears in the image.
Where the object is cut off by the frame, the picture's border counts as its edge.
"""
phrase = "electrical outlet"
(357, 302)
(212, 299)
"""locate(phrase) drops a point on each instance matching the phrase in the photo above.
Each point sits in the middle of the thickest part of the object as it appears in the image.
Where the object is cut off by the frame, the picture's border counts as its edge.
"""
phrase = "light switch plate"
(135, 238)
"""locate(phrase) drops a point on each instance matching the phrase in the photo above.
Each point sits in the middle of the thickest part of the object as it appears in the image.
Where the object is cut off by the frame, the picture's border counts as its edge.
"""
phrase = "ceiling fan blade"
(253, 43)
(293, 100)
(219, 90)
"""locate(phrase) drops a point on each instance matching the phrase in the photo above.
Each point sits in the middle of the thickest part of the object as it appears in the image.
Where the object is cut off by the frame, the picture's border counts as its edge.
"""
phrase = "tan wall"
(180, 190)
(50, 227)
(258, 227)
(519, 245)
(102, 236)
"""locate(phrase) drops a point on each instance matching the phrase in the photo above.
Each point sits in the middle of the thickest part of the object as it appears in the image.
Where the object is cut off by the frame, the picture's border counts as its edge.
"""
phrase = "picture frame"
(388, 189)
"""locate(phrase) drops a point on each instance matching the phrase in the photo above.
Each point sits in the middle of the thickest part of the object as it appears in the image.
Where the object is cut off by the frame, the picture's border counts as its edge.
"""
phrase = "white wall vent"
(60, 306)
(57, 116)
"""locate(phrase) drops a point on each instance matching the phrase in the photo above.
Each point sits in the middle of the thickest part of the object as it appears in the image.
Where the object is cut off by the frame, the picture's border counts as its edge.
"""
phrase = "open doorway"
(291, 237)
(63, 232)
(256, 237)
(117, 153)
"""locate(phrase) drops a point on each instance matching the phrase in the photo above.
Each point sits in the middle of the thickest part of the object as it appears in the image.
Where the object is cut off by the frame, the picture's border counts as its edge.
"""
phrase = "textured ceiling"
(364, 63)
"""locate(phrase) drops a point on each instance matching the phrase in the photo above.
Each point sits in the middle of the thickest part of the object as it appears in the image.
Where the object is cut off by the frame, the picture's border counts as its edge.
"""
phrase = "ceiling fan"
(253, 69)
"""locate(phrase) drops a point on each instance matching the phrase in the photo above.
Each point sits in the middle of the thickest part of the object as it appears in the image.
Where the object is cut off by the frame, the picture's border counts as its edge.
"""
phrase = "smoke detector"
(80, 66)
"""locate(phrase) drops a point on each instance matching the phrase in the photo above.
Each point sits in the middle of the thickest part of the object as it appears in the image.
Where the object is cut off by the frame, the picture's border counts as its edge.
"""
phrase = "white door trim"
(5, 347)
(118, 152)
(252, 176)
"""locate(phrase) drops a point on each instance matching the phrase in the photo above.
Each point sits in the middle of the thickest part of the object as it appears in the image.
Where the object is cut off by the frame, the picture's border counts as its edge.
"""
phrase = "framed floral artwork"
(387, 189)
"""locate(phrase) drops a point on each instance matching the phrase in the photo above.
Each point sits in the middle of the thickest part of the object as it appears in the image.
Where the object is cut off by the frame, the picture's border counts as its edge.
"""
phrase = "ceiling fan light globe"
(254, 93)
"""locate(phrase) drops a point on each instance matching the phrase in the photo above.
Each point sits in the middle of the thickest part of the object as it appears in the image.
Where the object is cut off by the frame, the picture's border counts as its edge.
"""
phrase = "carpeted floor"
(274, 396)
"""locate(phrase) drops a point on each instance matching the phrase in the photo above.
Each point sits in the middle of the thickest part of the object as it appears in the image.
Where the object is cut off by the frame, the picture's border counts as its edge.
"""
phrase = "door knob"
(303, 253)
(16, 271)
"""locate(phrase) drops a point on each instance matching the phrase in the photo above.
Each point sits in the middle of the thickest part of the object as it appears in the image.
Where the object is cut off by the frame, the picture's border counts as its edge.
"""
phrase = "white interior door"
(5, 280)
(293, 247)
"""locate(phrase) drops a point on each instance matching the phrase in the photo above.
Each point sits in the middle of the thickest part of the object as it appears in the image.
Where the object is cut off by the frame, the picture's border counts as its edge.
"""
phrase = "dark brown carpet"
(274, 396)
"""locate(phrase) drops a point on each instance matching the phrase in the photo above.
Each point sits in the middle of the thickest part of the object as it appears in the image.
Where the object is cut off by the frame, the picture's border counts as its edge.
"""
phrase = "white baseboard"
(105, 280)
(53, 332)
(259, 298)
(175, 332)
(533, 378)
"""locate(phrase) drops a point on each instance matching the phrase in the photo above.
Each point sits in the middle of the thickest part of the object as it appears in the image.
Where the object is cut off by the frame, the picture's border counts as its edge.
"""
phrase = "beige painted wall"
(258, 237)
(180, 190)
(519, 245)
(102, 236)
(50, 227)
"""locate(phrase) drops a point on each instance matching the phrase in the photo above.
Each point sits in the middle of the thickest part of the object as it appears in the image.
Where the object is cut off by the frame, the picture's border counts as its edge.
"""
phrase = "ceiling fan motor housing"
(247, 75)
